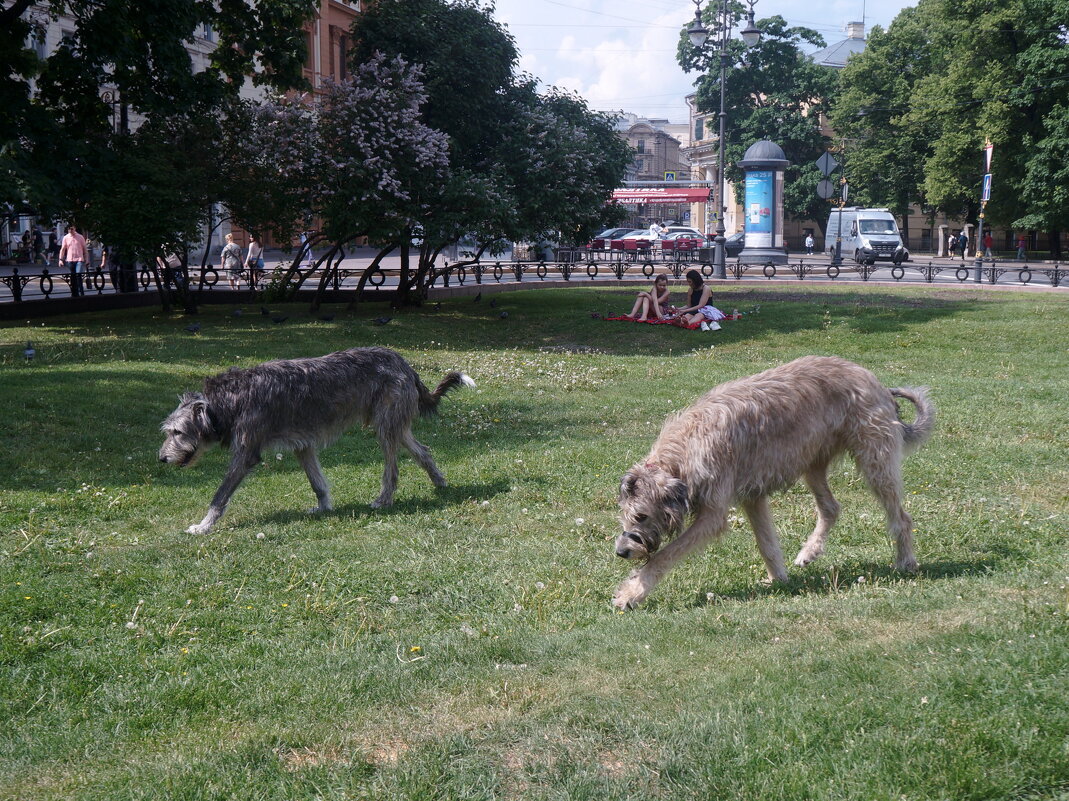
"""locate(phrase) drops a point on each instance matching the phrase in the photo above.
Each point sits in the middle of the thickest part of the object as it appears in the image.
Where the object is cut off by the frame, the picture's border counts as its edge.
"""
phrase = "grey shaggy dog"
(750, 437)
(303, 405)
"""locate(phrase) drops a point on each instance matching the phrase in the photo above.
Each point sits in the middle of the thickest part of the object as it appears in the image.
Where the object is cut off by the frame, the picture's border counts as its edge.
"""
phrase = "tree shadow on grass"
(766, 312)
(81, 424)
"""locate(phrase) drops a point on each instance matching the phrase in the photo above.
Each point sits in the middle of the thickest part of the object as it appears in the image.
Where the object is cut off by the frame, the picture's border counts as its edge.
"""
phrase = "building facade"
(658, 146)
(328, 39)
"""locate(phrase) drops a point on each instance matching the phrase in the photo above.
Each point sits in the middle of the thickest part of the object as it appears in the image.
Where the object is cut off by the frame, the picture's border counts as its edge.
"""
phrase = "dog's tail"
(916, 433)
(428, 401)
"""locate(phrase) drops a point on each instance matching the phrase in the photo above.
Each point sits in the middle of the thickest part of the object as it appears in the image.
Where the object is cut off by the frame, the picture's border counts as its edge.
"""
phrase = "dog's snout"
(623, 553)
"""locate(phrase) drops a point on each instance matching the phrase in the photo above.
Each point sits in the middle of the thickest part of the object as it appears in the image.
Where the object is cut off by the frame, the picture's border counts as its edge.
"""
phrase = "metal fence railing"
(19, 285)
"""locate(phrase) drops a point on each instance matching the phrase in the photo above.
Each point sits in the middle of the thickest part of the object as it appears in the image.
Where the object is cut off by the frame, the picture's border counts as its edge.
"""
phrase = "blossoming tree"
(358, 160)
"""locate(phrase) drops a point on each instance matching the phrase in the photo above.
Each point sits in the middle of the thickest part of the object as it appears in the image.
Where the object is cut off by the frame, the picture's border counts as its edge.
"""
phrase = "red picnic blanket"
(672, 321)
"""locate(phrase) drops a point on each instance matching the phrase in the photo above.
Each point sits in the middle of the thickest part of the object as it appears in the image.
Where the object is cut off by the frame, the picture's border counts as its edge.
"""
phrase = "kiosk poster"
(759, 194)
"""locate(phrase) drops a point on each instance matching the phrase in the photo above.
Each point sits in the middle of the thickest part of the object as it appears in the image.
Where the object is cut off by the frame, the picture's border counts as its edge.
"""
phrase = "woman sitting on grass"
(651, 301)
(698, 308)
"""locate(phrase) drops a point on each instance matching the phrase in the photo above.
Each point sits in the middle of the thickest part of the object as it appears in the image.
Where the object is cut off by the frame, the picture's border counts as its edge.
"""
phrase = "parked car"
(732, 245)
(692, 233)
(635, 233)
(613, 233)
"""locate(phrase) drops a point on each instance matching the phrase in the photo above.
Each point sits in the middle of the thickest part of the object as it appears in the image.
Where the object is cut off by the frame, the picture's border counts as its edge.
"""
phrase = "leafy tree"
(68, 152)
(949, 76)
(521, 165)
(358, 159)
(777, 93)
(1044, 188)
(886, 156)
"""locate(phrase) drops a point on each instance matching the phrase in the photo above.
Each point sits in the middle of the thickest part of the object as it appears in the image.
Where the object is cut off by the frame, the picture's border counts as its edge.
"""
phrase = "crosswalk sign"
(670, 175)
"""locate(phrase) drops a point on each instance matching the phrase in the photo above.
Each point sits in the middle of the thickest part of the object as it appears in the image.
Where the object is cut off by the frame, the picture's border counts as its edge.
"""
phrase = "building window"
(699, 129)
(207, 33)
(339, 50)
(641, 146)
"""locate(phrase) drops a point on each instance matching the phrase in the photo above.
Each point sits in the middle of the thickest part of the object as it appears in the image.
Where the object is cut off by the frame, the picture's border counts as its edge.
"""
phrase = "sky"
(620, 54)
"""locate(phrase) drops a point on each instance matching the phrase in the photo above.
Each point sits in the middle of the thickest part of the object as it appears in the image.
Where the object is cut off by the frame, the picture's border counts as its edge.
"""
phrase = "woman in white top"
(254, 261)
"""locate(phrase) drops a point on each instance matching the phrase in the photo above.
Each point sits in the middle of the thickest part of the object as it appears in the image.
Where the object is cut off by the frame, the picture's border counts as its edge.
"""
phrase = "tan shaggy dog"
(750, 437)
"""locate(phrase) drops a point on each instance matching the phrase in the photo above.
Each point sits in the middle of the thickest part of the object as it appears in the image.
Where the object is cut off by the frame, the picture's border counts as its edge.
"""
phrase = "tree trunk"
(403, 280)
(364, 277)
(329, 272)
(1055, 239)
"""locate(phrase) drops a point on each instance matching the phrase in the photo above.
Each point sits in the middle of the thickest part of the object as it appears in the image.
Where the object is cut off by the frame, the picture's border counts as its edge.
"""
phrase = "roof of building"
(836, 55)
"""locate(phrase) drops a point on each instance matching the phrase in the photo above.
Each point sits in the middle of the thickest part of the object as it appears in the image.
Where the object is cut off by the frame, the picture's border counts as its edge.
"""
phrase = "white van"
(867, 234)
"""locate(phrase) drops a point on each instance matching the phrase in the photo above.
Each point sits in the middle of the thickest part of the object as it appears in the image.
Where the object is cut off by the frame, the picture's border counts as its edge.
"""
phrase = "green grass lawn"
(461, 644)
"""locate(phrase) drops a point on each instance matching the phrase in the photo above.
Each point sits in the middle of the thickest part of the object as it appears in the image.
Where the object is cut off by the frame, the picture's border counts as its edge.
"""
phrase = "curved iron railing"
(910, 272)
(47, 284)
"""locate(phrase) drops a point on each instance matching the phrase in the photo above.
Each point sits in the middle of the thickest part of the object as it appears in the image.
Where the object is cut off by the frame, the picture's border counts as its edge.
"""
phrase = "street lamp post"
(698, 34)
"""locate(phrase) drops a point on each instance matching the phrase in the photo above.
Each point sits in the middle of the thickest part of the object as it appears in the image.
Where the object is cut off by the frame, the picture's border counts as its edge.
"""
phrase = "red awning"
(661, 194)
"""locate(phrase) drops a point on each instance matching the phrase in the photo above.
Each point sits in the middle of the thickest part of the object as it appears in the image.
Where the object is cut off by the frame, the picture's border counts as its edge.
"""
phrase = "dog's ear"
(627, 485)
(677, 494)
(676, 502)
(199, 404)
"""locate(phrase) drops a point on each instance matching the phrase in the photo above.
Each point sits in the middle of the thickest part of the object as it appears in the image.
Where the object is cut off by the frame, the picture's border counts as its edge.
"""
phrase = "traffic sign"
(669, 176)
(985, 192)
(826, 189)
(827, 164)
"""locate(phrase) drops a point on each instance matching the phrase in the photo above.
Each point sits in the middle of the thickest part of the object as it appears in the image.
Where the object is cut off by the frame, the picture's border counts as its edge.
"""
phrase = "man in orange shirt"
(73, 253)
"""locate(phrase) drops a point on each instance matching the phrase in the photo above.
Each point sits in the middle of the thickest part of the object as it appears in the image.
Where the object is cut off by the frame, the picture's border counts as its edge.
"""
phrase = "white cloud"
(622, 54)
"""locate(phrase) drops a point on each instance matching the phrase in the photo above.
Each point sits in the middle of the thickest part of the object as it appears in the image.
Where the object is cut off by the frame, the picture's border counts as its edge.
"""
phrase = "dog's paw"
(907, 565)
(381, 503)
(630, 594)
(806, 556)
(198, 528)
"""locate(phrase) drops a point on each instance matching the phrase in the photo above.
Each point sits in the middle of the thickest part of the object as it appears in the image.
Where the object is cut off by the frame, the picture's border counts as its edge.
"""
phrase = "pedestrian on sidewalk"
(73, 255)
(952, 245)
(230, 261)
(963, 243)
(809, 244)
(307, 261)
(38, 245)
(989, 244)
(254, 261)
(1022, 243)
